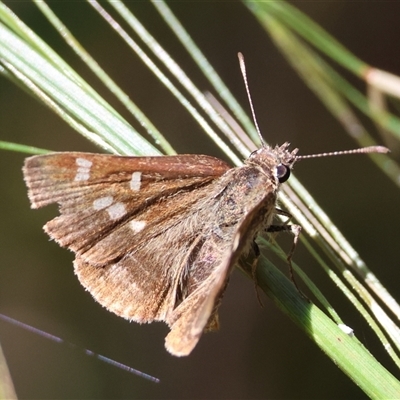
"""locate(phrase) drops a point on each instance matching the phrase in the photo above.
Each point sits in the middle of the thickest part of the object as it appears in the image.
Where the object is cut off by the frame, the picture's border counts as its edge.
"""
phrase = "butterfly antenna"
(363, 150)
(75, 347)
(242, 65)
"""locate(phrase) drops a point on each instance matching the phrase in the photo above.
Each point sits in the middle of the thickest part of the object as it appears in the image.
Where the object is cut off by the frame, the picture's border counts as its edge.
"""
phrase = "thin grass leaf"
(208, 69)
(21, 148)
(105, 78)
(174, 70)
(311, 31)
(358, 363)
(76, 102)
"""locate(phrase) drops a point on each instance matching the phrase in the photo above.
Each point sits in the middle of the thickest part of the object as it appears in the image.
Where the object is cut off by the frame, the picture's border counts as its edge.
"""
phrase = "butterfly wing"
(123, 217)
(98, 193)
(154, 237)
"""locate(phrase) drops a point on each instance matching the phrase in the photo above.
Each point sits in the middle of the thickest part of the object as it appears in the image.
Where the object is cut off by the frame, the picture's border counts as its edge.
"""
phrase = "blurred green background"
(258, 353)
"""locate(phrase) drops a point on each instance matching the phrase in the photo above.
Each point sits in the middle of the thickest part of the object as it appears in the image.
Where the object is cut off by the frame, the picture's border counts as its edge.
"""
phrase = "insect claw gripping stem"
(295, 230)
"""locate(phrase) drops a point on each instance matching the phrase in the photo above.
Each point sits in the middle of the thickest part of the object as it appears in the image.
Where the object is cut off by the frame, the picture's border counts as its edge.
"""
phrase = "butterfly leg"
(284, 213)
(295, 230)
(254, 264)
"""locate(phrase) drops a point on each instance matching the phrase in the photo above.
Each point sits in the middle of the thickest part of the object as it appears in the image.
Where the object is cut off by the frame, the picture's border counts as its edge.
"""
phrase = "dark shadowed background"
(259, 352)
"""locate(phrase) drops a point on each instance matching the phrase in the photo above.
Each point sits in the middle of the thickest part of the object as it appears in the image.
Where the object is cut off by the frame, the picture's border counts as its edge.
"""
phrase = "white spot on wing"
(136, 181)
(102, 202)
(137, 225)
(82, 162)
(116, 211)
(83, 172)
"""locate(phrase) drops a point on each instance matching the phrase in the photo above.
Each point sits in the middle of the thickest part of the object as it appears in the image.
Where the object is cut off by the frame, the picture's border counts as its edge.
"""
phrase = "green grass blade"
(77, 103)
(105, 78)
(344, 349)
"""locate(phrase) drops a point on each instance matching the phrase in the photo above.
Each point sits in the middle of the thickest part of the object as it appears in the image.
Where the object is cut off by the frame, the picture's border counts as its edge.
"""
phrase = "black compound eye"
(282, 172)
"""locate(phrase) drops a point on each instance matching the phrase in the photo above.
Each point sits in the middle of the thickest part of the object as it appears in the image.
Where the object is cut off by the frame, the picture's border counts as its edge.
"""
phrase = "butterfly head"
(279, 160)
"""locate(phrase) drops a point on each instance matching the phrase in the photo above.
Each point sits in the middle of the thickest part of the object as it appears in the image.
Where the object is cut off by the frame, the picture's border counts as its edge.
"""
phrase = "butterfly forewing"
(62, 176)
(97, 193)
(155, 237)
